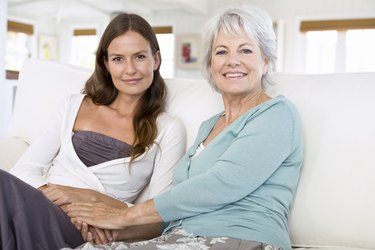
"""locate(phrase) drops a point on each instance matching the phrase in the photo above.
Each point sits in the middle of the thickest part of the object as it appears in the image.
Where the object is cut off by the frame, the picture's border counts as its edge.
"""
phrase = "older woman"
(239, 178)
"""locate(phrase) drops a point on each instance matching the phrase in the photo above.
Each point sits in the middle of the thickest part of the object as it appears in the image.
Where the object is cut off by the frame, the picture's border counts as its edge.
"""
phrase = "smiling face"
(237, 64)
(131, 64)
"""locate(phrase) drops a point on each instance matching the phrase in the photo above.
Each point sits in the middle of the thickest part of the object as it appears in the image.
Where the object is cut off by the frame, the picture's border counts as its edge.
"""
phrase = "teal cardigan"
(243, 183)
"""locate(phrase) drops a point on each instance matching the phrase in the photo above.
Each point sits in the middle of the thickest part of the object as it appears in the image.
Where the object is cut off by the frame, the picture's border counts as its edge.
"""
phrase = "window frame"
(341, 26)
(18, 27)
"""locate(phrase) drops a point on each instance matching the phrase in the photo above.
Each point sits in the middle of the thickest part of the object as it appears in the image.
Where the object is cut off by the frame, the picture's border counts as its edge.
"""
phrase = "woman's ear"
(157, 60)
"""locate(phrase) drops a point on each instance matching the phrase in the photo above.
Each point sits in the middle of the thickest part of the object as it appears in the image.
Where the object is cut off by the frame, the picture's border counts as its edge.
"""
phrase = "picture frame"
(188, 50)
(47, 48)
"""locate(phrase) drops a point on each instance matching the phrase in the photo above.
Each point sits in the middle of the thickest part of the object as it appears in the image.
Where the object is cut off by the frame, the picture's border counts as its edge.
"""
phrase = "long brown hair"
(100, 88)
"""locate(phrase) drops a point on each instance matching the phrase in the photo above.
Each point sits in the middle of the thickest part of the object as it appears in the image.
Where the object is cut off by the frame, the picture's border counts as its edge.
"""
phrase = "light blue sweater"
(243, 183)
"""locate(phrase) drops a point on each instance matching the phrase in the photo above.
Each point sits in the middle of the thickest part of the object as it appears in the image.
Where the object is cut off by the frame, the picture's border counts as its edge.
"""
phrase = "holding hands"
(96, 214)
(101, 223)
(61, 195)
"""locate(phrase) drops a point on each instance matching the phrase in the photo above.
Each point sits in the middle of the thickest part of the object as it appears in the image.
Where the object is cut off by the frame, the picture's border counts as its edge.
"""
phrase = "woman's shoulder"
(74, 98)
(288, 106)
(280, 110)
(69, 101)
(279, 104)
(166, 120)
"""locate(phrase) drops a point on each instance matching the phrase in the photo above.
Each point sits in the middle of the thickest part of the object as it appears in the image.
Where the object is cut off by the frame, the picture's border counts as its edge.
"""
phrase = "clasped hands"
(90, 218)
(86, 213)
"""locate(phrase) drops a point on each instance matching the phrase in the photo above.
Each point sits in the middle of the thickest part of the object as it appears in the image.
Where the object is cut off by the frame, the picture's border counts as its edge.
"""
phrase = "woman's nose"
(233, 60)
(130, 68)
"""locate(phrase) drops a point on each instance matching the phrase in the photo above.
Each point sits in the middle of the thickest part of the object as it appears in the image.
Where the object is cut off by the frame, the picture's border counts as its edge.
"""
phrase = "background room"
(315, 37)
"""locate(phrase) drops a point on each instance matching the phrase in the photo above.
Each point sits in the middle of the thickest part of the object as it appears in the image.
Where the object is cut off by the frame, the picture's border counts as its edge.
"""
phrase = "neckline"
(106, 138)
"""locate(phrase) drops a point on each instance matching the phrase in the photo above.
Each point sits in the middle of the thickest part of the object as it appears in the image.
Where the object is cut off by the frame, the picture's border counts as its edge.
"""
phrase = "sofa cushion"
(335, 200)
(10, 150)
(193, 101)
(42, 86)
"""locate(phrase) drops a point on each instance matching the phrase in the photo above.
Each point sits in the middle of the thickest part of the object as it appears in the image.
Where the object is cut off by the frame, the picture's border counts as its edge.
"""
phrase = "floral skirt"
(178, 239)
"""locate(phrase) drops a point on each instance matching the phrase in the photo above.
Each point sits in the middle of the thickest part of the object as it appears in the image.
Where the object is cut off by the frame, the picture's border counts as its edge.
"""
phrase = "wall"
(182, 24)
(288, 14)
(291, 12)
(4, 108)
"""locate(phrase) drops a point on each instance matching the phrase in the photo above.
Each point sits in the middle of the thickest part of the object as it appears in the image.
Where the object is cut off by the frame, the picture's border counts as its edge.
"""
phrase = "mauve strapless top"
(95, 148)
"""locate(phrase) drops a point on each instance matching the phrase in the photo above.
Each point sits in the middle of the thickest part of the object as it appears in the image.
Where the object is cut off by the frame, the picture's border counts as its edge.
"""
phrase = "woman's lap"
(179, 239)
(30, 221)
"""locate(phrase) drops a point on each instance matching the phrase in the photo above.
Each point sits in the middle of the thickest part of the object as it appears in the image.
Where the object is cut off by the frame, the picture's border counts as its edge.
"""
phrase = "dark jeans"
(28, 220)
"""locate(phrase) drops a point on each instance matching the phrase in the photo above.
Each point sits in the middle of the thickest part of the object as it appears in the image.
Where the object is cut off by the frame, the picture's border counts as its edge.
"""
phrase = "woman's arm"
(103, 216)
(129, 234)
(234, 165)
(34, 163)
(137, 233)
(62, 195)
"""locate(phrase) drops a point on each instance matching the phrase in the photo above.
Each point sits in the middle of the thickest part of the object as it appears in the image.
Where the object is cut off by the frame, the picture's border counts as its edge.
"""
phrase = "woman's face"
(131, 64)
(237, 64)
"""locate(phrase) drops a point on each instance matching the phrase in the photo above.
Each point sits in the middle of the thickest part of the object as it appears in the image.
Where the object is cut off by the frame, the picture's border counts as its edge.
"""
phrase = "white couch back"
(335, 201)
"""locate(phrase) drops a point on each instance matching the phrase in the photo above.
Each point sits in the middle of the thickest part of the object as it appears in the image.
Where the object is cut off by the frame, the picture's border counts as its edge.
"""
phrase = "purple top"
(94, 148)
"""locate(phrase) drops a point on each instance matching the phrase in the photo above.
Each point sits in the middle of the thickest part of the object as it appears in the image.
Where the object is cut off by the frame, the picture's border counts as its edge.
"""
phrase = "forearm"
(63, 195)
(101, 215)
(141, 214)
(99, 197)
(137, 233)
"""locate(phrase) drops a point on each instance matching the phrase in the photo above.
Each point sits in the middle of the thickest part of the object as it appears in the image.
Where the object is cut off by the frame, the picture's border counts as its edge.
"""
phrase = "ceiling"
(73, 9)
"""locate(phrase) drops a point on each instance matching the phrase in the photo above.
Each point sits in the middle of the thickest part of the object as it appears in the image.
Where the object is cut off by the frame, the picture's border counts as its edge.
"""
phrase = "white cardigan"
(52, 159)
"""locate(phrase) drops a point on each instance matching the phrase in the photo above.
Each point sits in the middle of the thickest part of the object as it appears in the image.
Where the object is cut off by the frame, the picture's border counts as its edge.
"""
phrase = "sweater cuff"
(161, 206)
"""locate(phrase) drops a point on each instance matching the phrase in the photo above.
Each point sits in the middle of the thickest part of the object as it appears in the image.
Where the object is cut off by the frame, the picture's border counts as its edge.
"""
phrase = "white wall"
(4, 108)
(291, 12)
(182, 24)
(288, 13)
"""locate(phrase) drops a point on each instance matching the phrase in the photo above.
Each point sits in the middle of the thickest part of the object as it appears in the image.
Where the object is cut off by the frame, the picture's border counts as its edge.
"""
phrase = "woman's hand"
(96, 214)
(94, 235)
(108, 217)
(137, 233)
(61, 195)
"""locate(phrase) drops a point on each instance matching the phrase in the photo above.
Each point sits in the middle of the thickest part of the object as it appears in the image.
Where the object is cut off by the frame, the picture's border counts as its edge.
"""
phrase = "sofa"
(334, 206)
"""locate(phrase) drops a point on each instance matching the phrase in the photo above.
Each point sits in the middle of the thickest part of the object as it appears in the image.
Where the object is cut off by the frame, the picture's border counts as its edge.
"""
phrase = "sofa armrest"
(11, 149)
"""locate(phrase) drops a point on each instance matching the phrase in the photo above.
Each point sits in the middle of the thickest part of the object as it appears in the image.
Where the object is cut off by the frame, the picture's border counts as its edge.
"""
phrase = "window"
(360, 50)
(18, 45)
(166, 42)
(321, 51)
(84, 45)
(339, 45)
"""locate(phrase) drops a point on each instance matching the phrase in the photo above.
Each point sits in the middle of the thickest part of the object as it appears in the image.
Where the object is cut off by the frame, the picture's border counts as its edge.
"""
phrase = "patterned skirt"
(178, 239)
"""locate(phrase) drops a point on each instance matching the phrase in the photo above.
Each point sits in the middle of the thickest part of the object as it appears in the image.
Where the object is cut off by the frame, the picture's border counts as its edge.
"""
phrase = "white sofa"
(335, 201)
